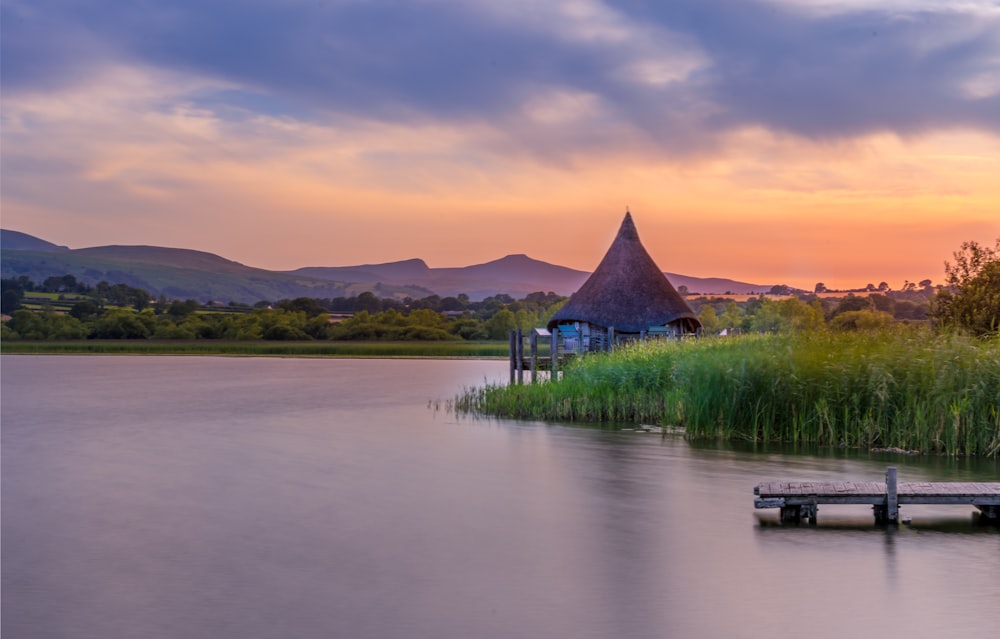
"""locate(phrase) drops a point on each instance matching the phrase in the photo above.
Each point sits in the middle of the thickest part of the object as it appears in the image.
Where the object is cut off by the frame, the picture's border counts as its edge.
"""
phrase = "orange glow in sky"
(748, 171)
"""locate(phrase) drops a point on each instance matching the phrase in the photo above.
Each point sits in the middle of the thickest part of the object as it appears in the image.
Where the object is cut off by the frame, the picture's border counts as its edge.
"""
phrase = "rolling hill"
(183, 273)
(515, 275)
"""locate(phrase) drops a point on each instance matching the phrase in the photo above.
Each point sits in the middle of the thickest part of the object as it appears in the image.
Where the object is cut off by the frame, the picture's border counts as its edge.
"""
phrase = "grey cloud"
(815, 76)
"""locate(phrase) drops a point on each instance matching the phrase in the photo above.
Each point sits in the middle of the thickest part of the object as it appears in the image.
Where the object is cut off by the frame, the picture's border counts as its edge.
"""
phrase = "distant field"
(743, 297)
(262, 348)
(747, 297)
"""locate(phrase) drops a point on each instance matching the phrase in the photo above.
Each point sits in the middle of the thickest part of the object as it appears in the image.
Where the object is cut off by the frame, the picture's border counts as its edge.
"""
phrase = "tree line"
(69, 310)
(809, 312)
(970, 301)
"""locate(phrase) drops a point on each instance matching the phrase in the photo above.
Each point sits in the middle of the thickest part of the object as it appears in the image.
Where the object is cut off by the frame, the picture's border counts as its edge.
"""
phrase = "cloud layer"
(317, 110)
(679, 72)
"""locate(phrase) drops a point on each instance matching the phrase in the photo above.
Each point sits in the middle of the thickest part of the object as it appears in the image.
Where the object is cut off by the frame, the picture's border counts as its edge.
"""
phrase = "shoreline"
(304, 349)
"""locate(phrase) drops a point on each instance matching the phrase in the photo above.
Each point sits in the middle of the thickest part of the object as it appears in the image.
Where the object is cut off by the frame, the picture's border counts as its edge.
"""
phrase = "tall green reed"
(910, 389)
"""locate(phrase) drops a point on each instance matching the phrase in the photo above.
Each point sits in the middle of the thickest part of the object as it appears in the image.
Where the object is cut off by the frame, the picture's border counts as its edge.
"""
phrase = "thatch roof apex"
(627, 230)
(627, 290)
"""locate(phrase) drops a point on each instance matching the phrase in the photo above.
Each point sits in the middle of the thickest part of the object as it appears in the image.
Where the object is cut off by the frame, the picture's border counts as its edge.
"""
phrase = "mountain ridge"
(187, 273)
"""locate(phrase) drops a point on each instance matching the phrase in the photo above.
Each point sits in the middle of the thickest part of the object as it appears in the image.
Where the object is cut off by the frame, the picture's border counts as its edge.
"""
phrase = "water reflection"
(215, 497)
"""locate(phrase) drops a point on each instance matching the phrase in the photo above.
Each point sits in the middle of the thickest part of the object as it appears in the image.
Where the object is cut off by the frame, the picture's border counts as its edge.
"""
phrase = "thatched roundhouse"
(626, 297)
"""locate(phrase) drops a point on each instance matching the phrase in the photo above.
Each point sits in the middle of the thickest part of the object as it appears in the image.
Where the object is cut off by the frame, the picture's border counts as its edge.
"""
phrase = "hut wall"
(584, 337)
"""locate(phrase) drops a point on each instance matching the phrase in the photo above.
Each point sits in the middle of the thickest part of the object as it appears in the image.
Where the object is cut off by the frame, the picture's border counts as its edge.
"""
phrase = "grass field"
(262, 348)
(909, 389)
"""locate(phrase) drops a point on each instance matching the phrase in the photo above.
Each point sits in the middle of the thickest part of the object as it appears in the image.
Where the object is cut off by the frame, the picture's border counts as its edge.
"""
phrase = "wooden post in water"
(513, 354)
(533, 341)
(554, 348)
(520, 357)
(891, 496)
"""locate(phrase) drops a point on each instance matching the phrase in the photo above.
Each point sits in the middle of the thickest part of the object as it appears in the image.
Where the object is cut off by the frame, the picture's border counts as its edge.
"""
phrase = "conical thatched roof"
(627, 291)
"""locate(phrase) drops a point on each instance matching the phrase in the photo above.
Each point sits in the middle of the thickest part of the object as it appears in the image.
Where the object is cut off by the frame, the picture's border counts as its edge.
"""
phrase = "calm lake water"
(254, 497)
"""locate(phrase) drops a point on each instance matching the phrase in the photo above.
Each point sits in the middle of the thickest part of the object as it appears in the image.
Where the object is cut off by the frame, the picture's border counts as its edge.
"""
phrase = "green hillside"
(182, 274)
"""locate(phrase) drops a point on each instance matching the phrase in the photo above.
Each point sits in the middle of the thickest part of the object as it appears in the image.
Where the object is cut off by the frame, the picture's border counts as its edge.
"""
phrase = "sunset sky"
(790, 141)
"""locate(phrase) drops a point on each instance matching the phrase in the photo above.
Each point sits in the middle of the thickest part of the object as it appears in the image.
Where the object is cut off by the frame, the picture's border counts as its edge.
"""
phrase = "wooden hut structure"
(627, 297)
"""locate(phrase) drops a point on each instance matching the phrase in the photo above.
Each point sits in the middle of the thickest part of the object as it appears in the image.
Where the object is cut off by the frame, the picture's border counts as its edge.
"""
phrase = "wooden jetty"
(800, 499)
(533, 361)
(564, 343)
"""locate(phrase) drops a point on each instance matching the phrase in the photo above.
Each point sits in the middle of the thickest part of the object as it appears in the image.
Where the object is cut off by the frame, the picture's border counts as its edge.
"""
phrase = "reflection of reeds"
(910, 389)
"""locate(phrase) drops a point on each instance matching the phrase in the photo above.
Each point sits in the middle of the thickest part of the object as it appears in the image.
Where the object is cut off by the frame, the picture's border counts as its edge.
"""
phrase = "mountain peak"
(412, 263)
(514, 259)
(15, 240)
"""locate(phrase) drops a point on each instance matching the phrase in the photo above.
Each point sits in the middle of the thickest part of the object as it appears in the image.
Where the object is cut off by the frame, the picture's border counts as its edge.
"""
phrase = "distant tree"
(820, 287)
(500, 325)
(10, 300)
(851, 303)
(307, 305)
(710, 322)
(451, 304)
(972, 299)
(683, 290)
(969, 261)
(732, 317)
(27, 325)
(285, 332)
(367, 302)
(56, 284)
(84, 310)
(469, 328)
(883, 286)
(25, 283)
(432, 302)
(882, 303)
(179, 310)
(60, 326)
(139, 299)
(489, 307)
(786, 315)
(861, 320)
(907, 310)
(120, 324)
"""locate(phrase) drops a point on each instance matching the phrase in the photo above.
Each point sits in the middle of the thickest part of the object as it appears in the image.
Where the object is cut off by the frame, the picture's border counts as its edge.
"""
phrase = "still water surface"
(250, 497)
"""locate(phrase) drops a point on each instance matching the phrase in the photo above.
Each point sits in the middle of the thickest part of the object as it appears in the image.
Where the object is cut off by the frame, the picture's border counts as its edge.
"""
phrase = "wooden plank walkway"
(800, 499)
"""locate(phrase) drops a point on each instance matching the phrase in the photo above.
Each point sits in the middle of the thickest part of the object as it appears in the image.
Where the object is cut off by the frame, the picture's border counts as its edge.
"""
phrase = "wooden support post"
(791, 514)
(554, 374)
(989, 515)
(891, 496)
(642, 335)
(513, 354)
(796, 513)
(533, 341)
(879, 510)
(810, 511)
(520, 357)
(611, 337)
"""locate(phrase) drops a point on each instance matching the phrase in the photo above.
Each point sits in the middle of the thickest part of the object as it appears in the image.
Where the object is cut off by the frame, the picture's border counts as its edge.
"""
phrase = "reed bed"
(909, 389)
(262, 348)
